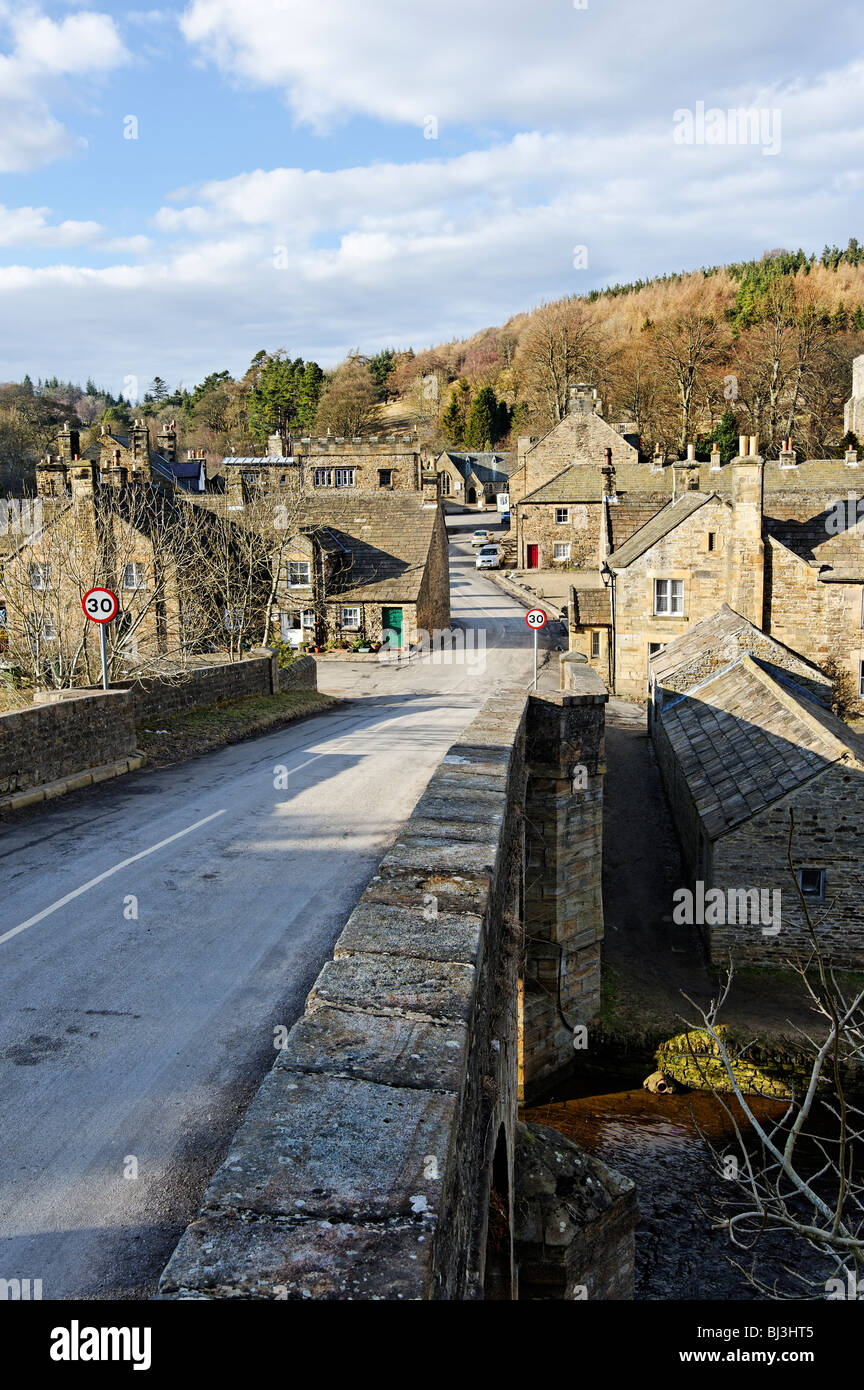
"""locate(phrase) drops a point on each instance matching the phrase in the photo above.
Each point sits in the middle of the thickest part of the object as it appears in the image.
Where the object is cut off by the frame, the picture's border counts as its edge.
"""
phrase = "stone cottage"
(365, 569)
(757, 769)
(473, 479)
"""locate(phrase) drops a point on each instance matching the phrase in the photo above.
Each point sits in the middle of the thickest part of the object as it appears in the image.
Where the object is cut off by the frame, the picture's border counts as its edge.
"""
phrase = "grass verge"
(199, 731)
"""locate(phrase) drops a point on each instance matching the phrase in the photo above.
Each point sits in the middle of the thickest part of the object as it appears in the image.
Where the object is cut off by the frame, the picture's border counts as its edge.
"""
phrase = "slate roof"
(743, 741)
(486, 467)
(659, 526)
(389, 539)
(717, 641)
(590, 608)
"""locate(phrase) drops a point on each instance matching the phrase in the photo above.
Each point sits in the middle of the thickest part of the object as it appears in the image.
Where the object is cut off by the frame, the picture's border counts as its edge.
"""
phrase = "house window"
(351, 618)
(307, 618)
(812, 882)
(561, 550)
(862, 607)
(323, 477)
(40, 576)
(250, 479)
(861, 680)
(134, 576)
(344, 477)
(445, 484)
(233, 618)
(562, 516)
(299, 574)
(385, 477)
(595, 643)
(655, 647)
(668, 596)
(712, 540)
(48, 629)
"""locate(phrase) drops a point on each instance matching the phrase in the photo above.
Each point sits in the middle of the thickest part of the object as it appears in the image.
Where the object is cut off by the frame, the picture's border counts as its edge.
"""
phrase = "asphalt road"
(156, 930)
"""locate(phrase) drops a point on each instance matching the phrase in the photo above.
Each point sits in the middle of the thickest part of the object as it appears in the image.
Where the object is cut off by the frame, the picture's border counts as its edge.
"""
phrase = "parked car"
(489, 558)
(480, 537)
(505, 518)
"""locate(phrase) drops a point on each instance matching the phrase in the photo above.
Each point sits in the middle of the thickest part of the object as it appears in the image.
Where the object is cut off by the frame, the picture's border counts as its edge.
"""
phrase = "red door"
(533, 557)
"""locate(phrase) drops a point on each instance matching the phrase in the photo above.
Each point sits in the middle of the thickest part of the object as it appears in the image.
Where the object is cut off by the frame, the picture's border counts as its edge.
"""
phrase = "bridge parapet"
(377, 1158)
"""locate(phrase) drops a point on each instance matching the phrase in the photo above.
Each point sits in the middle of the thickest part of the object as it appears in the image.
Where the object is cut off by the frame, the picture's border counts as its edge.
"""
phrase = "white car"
(489, 558)
(480, 537)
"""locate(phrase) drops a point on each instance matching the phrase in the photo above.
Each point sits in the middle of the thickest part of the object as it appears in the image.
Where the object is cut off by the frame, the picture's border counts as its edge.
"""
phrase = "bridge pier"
(563, 899)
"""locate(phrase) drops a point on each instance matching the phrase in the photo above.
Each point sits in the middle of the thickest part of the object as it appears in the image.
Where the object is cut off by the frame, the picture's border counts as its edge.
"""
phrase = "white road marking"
(133, 859)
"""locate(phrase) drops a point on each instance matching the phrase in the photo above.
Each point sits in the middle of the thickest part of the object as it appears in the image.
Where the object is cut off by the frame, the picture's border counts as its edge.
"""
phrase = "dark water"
(664, 1144)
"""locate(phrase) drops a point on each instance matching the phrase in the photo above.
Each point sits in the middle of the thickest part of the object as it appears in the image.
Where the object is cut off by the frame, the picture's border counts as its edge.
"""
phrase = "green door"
(392, 618)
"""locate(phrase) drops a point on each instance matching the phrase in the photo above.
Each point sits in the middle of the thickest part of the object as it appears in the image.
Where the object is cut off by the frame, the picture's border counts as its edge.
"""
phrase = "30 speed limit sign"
(100, 605)
(535, 617)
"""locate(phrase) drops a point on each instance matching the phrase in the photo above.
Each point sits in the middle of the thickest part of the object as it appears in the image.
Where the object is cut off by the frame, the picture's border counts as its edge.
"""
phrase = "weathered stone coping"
(347, 1177)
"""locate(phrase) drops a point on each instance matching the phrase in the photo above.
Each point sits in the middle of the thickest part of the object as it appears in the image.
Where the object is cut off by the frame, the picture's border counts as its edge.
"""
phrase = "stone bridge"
(382, 1157)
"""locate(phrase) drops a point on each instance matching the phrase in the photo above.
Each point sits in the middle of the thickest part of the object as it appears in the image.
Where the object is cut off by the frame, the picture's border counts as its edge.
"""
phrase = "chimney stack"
(787, 454)
(715, 458)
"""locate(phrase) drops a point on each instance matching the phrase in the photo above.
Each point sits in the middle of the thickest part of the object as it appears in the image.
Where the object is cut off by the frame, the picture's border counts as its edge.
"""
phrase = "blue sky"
(283, 189)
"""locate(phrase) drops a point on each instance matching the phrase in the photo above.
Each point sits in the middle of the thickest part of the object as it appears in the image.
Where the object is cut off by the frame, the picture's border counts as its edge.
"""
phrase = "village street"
(155, 931)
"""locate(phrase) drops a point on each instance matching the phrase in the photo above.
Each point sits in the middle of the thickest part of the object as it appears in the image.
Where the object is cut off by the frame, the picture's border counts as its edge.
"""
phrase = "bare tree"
(556, 351)
(685, 348)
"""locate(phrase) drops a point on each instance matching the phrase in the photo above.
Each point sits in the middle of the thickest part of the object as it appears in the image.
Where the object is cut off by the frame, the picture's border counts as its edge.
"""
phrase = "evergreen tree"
(453, 419)
(483, 424)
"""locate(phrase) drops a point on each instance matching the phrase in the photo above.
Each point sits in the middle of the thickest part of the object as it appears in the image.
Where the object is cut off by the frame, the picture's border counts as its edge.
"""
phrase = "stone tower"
(853, 410)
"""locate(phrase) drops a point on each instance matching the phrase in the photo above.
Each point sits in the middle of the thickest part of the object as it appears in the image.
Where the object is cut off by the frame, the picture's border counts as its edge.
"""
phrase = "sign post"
(535, 618)
(101, 606)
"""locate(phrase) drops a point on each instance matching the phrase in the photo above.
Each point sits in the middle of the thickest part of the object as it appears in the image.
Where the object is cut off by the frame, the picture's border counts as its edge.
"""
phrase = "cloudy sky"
(182, 186)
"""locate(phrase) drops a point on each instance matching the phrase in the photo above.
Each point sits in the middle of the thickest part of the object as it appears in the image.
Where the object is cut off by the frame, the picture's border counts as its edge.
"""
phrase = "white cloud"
(40, 53)
(431, 247)
(546, 64)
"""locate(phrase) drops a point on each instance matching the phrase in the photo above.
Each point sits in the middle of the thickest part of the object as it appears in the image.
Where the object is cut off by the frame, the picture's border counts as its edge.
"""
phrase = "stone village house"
(367, 555)
(744, 736)
(116, 514)
(473, 479)
(758, 536)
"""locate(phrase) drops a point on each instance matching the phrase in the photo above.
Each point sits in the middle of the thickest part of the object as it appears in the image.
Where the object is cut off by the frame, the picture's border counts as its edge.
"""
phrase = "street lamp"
(607, 574)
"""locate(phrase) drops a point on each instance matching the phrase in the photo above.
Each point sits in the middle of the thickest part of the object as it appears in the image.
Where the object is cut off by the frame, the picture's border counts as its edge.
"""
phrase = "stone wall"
(377, 1160)
(433, 599)
(681, 554)
(563, 875)
(828, 813)
(363, 1168)
(818, 620)
(68, 731)
(48, 742)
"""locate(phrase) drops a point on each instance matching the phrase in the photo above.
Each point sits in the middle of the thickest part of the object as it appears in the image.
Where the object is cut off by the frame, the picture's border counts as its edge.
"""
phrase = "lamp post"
(607, 574)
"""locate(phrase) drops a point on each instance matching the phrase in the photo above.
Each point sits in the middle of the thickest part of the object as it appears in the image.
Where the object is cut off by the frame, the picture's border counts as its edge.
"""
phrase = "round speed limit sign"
(100, 605)
(535, 617)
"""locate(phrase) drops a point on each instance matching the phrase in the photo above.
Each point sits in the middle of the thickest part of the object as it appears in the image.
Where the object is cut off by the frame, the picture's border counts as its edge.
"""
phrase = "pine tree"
(481, 429)
(453, 420)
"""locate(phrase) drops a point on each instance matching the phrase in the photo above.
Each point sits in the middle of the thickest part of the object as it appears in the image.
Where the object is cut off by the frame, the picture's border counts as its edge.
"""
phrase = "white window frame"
(40, 577)
(563, 547)
(138, 576)
(231, 615)
(307, 617)
(668, 598)
(347, 625)
(595, 643)
(343, 477)
(323, 477)
(562, 516)
(48, 628)
(299, 583)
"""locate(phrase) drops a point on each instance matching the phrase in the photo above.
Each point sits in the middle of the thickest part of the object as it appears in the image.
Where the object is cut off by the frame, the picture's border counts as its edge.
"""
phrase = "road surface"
(156, 930)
